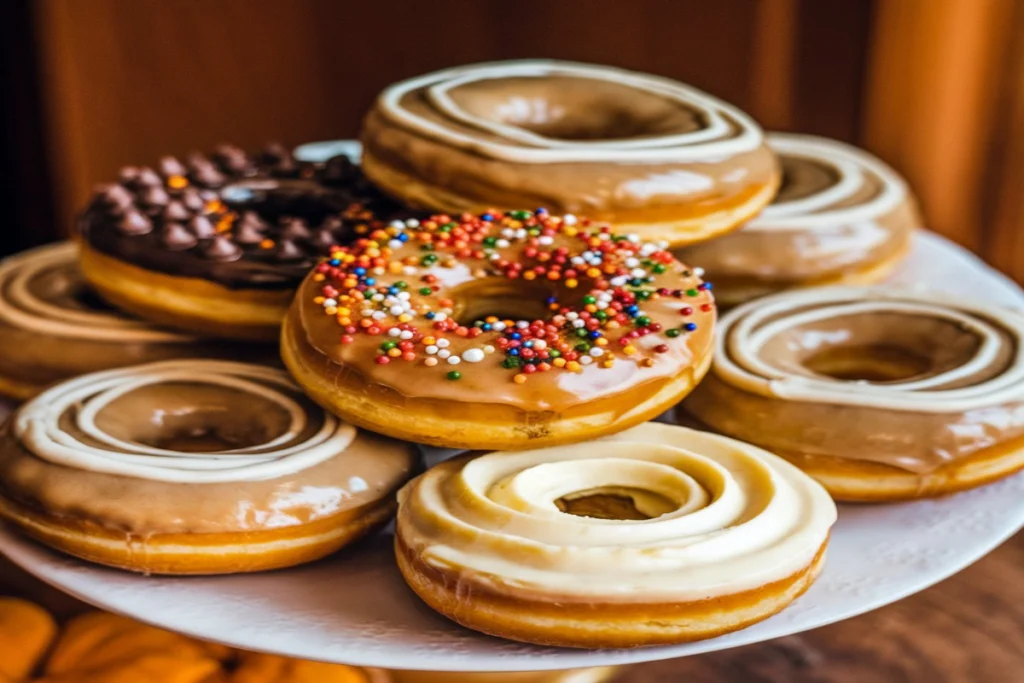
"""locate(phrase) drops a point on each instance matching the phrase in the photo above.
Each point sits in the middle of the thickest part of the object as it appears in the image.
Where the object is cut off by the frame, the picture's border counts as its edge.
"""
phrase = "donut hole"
(868, 363)
(193, 418)
(878, 347)
(575, 108)
(503, 299)
(620, 503)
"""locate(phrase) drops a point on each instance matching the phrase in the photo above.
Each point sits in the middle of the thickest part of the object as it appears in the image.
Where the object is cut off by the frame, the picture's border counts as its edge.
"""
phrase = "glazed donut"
(193, 467)
(218, 246)
(499, 331)
(721, 535)
(879, 395)
(650, 155)
(53, 327)
(841, 216)
(596, 674)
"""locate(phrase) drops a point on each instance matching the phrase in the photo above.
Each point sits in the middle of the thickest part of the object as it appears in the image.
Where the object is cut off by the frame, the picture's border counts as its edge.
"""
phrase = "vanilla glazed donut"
(218, 245)
(52, 327)
(499, 331)
(193, 467)
(596, 674)
(841, 217)
(653, 156)
(880, 395)
(698, 535)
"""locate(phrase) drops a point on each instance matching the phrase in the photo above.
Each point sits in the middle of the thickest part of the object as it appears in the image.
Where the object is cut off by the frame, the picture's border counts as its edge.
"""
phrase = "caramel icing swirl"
(764, 349)
(720, 517)
(42, 291)
(244, 422)
(685, 125)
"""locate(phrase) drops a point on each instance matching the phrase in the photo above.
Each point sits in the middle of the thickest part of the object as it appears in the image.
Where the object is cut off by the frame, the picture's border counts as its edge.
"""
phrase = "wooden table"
(968, 629)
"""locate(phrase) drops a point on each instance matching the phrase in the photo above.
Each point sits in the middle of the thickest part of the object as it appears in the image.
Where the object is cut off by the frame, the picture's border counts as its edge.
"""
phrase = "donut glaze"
(879, 394)
(648, 154)
(205, 466)
(52, 326)
(501, 329)
(841, 216)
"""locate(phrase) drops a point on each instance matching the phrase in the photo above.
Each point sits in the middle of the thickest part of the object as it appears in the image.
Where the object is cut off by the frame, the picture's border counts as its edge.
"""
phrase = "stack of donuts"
(517, 270)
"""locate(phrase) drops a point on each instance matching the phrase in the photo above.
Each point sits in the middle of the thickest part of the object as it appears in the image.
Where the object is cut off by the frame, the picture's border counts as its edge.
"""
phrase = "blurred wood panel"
(126, 81)
(936, 69)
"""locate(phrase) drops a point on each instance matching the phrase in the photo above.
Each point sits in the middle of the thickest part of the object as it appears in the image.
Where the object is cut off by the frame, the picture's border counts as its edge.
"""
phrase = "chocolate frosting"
(239, 220)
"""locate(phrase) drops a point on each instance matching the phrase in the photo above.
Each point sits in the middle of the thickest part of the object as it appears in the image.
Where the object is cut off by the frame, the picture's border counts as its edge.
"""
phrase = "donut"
(595, 674)
(878, 394)
(653, 156)
(193, 467)
(659, 534)
(496, 330)
(841, 217)
(53, 327)
(218, 245)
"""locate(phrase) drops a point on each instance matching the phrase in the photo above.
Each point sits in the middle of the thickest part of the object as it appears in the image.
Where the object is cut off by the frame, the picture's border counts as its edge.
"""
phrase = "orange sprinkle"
(519, 378)
(267, 244)
(177, 182)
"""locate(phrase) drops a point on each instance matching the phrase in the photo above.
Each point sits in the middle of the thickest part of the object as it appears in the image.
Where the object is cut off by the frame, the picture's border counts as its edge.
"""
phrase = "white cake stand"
(354, 608)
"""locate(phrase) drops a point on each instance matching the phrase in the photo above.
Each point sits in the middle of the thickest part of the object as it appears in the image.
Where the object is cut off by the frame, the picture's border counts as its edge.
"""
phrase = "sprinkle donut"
(499, 330)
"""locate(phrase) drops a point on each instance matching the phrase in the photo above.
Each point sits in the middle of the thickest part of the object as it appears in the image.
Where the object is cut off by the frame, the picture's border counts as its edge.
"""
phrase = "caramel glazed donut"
(53, 327)
(841, 217)
(219, 246)
(650, 155)
(879, 395)
(721, 535)
(193, 467)
(499, 331)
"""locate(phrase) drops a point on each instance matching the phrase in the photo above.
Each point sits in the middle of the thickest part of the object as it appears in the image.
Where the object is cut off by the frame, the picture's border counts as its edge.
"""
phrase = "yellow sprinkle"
(344, 320)
(593, 272)
(395, 267)
(613, 325)
(343, 311)
(318, 300)
(571, 283)
(647, 362)
(601, 341)
(529, 275)
(404, 318)
(573, 366)
(429, 341)
(394, 353)
(350, 282)
(558, 362)
(520, 378)
(608, 363)
(331, 310)
(570, 231)
(319, 277)
(629, 350)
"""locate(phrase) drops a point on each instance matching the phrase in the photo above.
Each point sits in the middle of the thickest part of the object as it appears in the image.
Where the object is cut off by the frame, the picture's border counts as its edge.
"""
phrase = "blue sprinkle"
(487, 217)
(486, 327)
(370, 281)
(594, 334)
(541, 211)
(706, 285)
(403, 237)
(429, 315)
(516, 335)
(528, 344)
(513, 352)
(393, 290)
(632, 310)
(551, 300)
(360, 271)
(690, 327)
(335, 262)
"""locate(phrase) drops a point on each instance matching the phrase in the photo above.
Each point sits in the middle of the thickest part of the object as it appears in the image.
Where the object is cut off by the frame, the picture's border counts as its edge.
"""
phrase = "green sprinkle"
(554, 353)
(658, 268)
(691, 292)
(520, 215)
(401, 284)
(511, 362)
(490, 241)
(642, 321)
(429, 260)
(583, 346)
(673, 332)
(454, 374)
(388, 345)
(589, 299)
(582, 332)
(601, 315)
(425, 291)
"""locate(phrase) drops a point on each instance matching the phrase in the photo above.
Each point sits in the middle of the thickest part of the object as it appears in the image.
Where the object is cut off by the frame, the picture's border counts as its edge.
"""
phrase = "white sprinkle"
(597, 352)
(431, 362)
(569, 219)
(397, 310)
(502, 244)
(498, 326)
(377, 297)
(522, 324)
(472, 355)
(440, 316)
(572, 315)
(454, 360)
(404, 296)
(396, 224)
(586, 360)
(578, 323)
(443, 343)
(632, 262)
(412, 223)
(638, 272)
(328, 303)
(540, 344)
(699, 272)
(444, 353)
(394, 332)
(431, 350)
(619, 281)
(357, 485)
(409, 270)
(490, 349)
(545, 240)
(406, 334)
(378, 271)
(394, 244)
(379, 315)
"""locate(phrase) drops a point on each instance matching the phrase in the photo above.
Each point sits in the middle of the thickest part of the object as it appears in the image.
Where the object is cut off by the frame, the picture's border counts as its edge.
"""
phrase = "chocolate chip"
(232, 159)
(250, 229)
(175, 211)
(128, 174)
(134, 223)
(147, 177)
(273, 153)
(115, 198)
(208, 176)
(287, 250)
(202, 227)
(323, 240)
(221, 248)
(197, 160)
(340, 170)
(294, 229)
(155, 196)
(192, 200)
(170, 166)
(176, 238)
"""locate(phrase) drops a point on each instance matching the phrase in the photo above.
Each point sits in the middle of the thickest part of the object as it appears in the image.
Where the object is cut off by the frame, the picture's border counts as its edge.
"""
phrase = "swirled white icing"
(826, 208)
(724, 130)
(22, 307)
(737, 518)
(40, 426)
(745, 331)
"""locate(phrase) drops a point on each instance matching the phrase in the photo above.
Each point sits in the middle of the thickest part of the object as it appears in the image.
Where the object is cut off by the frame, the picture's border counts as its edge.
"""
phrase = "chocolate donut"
(218, 244)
